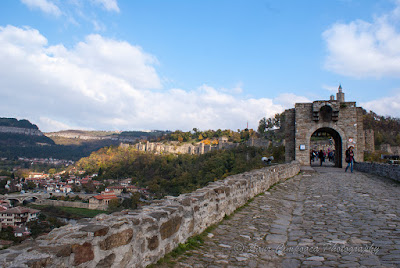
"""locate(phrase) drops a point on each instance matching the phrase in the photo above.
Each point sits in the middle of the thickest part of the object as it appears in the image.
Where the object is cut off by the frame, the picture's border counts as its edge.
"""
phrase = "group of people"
(322, 155)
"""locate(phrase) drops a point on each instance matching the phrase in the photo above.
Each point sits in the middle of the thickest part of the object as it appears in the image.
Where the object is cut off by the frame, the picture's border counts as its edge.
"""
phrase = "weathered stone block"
(59, 251)
(135, 221)
(97, 230)
(148, 220)
(64, 251)
(153, 242)
(117, 240)
(186, 202)
(39, 263)
(170, 227)
(119, 224)
(106, 262)
(78, 235)
(191, 226)
(158, 215)
(151, 228)
(83, 253)
(127, 258)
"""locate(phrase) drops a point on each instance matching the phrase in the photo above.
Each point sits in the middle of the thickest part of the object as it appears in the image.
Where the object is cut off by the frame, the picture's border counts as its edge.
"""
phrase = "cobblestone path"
(326, 219)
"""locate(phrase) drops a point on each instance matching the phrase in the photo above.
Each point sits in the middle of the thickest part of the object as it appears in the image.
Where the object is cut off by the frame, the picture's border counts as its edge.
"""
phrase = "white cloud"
(365, 49)
(109, 5)
(107, 84)
(98, 26)
(47, 123)
(288, 100)
(44, 5)
(113, 58)
(384, 106)
(237, 89)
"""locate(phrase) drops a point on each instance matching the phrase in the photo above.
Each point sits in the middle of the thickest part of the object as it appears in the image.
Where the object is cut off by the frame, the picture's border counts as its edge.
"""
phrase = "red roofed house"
(126, 182)
(66, 188)
(116, 189)
(102, 200)
(97, 183)
(17, 216)
(132, 188)
(21, 231)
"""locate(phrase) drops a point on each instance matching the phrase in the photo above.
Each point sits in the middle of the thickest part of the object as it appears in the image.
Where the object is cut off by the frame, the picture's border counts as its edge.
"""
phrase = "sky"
(210, 64)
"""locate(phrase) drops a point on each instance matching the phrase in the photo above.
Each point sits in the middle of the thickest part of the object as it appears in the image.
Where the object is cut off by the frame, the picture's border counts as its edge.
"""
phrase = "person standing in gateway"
(350, 158)
(321, 157)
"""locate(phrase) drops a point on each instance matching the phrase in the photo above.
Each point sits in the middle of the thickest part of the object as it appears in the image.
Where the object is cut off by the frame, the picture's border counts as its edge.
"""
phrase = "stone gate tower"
(341, 119)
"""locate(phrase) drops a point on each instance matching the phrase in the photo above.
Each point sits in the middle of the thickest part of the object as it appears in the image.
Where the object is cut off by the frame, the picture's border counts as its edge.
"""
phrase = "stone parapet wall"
(139, 238)
(385, 170)
(60, 203)
(257, 142)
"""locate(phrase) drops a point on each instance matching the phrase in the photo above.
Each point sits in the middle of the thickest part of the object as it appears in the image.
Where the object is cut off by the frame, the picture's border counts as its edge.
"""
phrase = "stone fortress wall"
(61, 203)
(141, 237)
(384, 170)
(199, 148)
(369, 140)
(18, 130)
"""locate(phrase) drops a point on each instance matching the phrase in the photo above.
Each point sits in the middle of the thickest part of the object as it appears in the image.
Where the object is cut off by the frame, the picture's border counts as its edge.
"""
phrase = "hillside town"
(59, 189)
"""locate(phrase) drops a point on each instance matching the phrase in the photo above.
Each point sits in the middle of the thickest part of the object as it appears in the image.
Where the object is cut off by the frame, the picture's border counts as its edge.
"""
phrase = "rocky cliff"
(23, 126)
(23, 131)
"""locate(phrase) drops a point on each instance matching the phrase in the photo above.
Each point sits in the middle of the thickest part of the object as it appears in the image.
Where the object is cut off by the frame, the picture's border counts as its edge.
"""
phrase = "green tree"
(29, 185)
(114, 205)
(89, 187)
(262, 125)
(76, 188)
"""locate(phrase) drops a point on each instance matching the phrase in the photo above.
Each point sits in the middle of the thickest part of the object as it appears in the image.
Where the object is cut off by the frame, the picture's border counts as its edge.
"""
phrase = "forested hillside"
(206, 136)
(12, 122)
(170, 174)
(386, 128)
(68, 152)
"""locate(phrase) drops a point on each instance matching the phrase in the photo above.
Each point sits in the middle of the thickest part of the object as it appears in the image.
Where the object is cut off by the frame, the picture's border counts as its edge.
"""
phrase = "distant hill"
(77, 137)
(15, 132)
(21, 138)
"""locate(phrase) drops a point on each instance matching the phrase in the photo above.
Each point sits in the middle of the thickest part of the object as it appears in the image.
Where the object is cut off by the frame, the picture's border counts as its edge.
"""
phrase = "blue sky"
(130, 65)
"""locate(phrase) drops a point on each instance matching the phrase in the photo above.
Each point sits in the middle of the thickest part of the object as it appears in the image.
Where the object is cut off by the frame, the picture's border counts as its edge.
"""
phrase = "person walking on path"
(350, 158)
(321, 157)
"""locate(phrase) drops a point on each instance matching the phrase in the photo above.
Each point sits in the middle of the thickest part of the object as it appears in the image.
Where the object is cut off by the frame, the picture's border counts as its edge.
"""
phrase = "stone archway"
(342, 120)
(337, 143)
(338, 136)
(14, 201)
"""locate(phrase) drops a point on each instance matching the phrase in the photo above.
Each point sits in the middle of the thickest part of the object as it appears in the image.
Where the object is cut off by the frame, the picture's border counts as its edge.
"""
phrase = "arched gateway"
(341, 120)
(336, 143)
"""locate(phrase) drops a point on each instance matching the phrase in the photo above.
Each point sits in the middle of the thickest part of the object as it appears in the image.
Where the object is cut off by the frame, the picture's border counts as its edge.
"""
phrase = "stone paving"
(328, 218)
